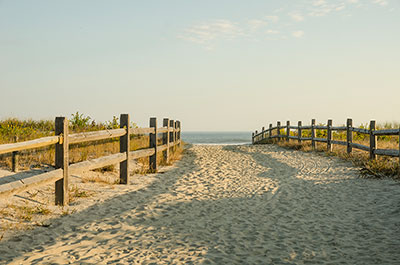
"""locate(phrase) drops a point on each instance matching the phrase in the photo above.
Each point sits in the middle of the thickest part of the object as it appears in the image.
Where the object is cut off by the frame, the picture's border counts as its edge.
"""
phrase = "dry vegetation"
(383, 166)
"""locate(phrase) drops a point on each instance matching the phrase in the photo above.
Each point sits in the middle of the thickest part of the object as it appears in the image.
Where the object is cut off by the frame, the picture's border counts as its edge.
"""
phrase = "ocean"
(214, 138)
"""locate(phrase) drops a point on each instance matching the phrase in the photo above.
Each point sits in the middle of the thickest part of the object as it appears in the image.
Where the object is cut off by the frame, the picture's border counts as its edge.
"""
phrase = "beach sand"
(226, 205)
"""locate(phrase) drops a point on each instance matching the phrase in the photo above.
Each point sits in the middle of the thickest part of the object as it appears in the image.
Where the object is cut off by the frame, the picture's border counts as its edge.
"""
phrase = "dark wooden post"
(278, 125)
(166, 140)
(299, 130)
(313, 134)
(61, 161)
(176, 134)
(287, 131)
(14, 158)
(349, 137)
(124, 146)
(153, 144)
(263, 132)
(172, 134)
(399, 151)
(179, 133)
(329, 136)
(252, 138)
(372, 140)
(256, 139)
(270, 130)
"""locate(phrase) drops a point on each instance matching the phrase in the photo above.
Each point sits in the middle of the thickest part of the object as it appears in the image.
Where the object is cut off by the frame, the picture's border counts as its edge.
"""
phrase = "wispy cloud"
(204, 33)
(281, 23)
(298, 33)
(381, 2)
(296, 16)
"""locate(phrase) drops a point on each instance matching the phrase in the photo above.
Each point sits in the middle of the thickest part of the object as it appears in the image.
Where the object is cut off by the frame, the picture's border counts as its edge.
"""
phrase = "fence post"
(287, 130)
(329, 136)
(179, 133)
(153, 144)
(349, 137)
(124, 148)
(263, 133)
(61, 161)
(372, 140)
(166, 139)
(176, 134)
(278, 125)
(252, 138)
(299, 131)
(270, 130)
(399, 152)
(172, 134)
(14, 158)
(256, 139)
(313, 134)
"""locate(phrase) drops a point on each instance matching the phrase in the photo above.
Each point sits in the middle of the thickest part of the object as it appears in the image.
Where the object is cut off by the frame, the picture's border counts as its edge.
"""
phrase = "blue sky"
(215, 65)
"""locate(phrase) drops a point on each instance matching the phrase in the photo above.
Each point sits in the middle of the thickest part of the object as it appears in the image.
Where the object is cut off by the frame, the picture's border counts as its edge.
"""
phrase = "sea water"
(224, 138)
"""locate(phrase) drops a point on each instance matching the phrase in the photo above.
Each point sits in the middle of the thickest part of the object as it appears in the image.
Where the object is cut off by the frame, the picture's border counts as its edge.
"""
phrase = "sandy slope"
(230, 205)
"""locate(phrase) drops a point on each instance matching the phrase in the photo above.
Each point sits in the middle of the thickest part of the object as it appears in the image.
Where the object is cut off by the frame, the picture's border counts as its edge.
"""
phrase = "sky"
(215, 65)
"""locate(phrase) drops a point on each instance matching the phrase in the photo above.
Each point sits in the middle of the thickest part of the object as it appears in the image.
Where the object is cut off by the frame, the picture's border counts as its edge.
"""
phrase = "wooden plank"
(306, 138)
(360, 130)
(339, 128)
(124, 146)
(321, 127)
(349, 135)
(142, 130)
(95, 136)
(339, 142)
(153, 144)
(62, 161)
(166, 139)
(313, 134)
(323, 140)
(360, 146)
(162, 130)
(294, 127)
(329, 136)
(37, 143)
(142, 153)
(372, 140)
(100, 162)
(307, 127)
(162, 148)
(387, 152)
(8, 189)
(387, 132)
(21, 185)
(293, 137)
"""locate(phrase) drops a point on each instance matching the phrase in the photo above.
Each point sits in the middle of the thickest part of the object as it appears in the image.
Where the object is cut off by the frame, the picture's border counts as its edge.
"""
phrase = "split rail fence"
(283, 133)
(171, 136)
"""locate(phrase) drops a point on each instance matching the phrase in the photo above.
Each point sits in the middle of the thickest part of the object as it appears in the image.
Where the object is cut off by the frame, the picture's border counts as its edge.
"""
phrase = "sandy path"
(231, 205)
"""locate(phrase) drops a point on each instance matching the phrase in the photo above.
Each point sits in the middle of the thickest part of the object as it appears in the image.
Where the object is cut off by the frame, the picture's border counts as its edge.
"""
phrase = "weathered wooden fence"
(171, 136)
(283, 132)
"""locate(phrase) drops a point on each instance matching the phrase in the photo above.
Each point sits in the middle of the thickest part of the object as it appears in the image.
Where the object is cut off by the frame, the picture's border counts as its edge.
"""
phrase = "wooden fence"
(283, 133)
(171, 136)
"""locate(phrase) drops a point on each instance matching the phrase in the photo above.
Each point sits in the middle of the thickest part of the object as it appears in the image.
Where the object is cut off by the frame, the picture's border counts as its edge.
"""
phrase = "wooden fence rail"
(372, 148)
(171, 135)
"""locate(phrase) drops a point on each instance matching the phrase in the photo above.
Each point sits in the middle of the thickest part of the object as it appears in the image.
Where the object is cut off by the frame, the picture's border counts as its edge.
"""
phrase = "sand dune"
(228, 205)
